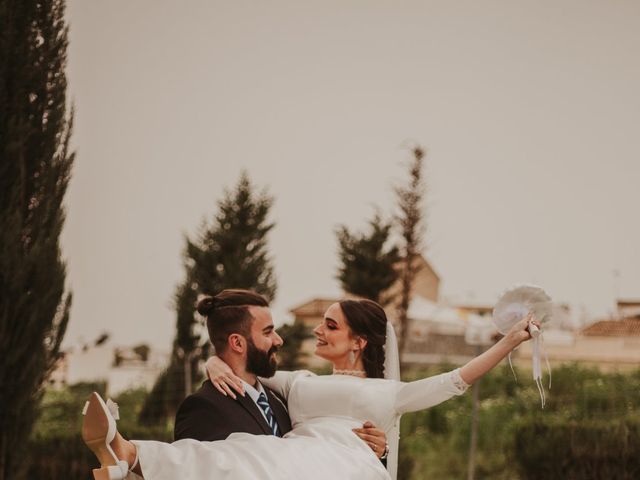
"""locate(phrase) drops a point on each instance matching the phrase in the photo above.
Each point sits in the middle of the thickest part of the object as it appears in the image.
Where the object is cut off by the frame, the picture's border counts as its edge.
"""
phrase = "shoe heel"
(112, 472)
(101, 473)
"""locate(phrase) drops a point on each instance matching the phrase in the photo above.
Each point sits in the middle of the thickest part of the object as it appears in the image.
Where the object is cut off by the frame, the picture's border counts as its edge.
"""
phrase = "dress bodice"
(343, 397)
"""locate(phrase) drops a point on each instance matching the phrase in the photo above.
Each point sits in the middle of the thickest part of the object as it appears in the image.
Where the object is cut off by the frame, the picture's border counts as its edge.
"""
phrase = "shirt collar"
(254, 392)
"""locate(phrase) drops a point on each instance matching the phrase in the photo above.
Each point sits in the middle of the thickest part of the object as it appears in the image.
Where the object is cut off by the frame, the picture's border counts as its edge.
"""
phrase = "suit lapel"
(279, 410)
(252, 408)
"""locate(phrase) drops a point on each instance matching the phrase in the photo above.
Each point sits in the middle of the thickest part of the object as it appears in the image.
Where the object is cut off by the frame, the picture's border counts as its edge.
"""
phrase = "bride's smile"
(336, 342)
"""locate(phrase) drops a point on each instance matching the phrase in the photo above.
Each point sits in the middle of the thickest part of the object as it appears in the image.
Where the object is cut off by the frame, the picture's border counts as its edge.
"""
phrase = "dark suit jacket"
(209, 415)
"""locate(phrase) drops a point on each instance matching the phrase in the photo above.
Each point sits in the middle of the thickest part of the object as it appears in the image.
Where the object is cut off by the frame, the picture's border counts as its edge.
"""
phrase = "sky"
(529, 112)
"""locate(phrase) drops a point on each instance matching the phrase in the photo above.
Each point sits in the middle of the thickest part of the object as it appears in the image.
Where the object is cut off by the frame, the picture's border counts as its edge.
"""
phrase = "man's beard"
(259, 362)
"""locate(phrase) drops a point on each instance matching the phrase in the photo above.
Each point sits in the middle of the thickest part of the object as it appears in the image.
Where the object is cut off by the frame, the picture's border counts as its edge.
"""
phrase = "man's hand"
(374, 437)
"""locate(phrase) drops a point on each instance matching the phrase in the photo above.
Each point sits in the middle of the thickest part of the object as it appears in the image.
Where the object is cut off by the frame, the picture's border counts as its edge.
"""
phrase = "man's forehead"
(261, 315)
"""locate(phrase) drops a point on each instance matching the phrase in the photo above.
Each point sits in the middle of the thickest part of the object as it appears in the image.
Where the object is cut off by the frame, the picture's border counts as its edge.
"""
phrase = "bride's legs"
(125, 450)
(100, 433)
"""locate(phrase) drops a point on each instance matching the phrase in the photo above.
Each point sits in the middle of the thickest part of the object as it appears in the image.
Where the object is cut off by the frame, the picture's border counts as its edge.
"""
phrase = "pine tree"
(411, 222)
(35, 169)
(231, 252)
(366, 264)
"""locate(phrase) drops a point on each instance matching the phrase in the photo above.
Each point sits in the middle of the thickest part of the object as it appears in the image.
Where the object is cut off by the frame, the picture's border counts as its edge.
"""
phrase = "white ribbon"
(538, 351)
(537, 343)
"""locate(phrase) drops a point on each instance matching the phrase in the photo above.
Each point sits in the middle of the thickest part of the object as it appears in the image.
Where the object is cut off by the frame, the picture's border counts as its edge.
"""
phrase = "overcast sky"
(529, 110)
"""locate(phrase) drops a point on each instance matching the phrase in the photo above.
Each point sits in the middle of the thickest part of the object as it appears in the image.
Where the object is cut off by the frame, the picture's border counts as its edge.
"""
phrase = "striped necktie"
(266, 408)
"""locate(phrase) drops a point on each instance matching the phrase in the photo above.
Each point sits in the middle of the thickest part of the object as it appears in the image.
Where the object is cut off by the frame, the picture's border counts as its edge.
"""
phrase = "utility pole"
(477, 334)
(474, 424)
(616, 293)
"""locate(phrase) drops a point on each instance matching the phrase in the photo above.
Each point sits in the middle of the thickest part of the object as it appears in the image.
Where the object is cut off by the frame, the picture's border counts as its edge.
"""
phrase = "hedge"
(66, 457)
(555, 448)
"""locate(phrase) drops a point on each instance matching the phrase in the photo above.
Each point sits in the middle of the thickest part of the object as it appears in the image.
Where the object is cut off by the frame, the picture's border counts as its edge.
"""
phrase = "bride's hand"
(223, 378)
(519, 332)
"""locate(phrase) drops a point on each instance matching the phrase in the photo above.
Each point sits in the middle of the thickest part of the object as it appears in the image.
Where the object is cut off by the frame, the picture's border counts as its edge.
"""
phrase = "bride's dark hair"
(368, 320)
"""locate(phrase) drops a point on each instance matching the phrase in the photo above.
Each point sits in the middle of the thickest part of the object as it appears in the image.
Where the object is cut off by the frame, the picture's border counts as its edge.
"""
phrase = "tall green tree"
(411, 221)
(367, 261)
(229, 252)
(35, 169)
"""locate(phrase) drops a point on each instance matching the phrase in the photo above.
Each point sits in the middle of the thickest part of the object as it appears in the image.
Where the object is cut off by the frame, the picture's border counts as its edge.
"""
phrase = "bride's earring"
(352, 357)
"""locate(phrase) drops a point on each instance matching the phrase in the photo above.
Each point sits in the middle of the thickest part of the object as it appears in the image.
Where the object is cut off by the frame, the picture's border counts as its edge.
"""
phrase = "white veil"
(392, 372)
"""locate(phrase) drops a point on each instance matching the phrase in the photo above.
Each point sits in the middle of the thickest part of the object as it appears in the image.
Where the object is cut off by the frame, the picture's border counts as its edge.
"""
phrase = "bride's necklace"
(356, 373)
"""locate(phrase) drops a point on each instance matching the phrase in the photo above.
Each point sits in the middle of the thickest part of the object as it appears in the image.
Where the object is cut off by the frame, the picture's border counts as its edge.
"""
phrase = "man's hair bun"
(206, 305)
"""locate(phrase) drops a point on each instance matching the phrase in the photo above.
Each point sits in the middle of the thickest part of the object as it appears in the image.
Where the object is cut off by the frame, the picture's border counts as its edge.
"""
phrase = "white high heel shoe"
(98, 431)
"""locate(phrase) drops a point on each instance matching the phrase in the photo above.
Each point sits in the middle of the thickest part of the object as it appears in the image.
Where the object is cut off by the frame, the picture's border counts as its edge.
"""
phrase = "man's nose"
(278, 341)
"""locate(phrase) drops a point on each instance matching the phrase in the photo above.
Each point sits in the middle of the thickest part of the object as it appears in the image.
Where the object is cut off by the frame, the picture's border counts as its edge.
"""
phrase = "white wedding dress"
(321, 445)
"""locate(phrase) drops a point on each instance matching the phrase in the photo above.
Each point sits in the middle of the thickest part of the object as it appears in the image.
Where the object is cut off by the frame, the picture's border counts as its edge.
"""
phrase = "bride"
(357, 339)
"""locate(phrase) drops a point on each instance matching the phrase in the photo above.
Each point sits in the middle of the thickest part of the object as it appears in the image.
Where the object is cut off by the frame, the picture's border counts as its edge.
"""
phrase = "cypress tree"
(35, 169)
(229, 252)
(366, 264)
(411, 222)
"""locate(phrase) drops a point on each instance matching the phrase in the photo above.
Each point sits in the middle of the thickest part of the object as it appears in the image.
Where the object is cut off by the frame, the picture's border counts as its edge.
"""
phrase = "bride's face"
(334, 340)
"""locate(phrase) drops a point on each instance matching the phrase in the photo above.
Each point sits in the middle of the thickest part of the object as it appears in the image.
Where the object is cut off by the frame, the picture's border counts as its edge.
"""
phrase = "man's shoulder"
(206, 394)
(207, 390)
(206, 415)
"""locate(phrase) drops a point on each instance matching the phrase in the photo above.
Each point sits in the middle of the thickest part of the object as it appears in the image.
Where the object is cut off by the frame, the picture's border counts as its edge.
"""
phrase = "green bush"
(435, 442)
(66, 457)
(555, 448)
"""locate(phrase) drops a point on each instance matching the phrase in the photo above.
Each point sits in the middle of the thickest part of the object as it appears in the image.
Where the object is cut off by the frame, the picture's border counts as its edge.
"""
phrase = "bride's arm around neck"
(227, 382)
(282, 381)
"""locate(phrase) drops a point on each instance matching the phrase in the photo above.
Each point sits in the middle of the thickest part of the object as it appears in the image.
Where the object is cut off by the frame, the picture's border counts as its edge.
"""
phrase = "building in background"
(119, 368)
(629, 309)
(426, 284)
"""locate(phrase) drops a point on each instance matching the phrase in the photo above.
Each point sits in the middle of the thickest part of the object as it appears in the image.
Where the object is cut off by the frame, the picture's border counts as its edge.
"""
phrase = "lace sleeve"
(281, 382)
(425, 393)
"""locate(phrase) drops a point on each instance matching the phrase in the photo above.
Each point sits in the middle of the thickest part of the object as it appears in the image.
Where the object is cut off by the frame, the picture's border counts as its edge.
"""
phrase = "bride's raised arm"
(425, 393)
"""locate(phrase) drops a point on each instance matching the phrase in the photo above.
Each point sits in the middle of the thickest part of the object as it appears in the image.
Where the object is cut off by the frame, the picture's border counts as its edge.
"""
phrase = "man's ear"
(237, 343)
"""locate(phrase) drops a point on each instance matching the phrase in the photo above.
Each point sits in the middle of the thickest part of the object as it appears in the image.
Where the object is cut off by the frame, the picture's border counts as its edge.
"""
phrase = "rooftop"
(627, 327)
